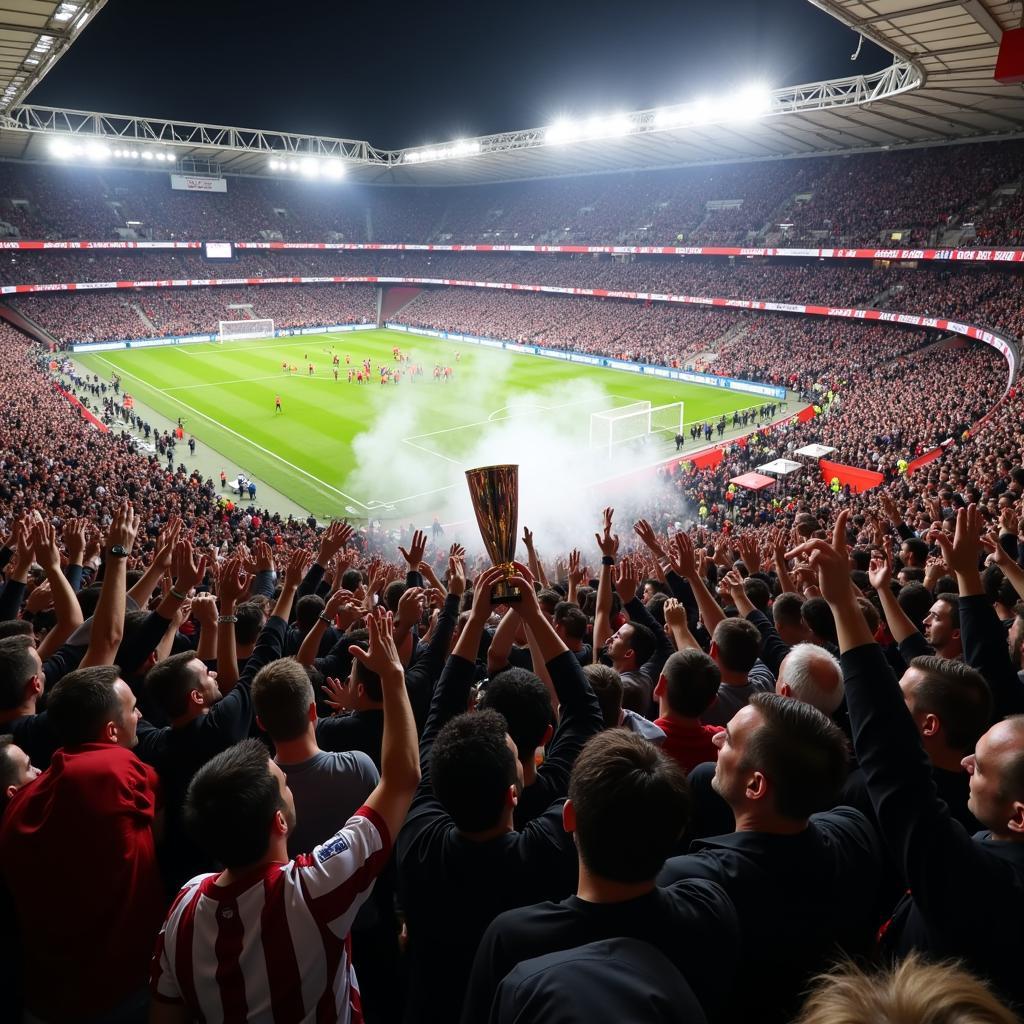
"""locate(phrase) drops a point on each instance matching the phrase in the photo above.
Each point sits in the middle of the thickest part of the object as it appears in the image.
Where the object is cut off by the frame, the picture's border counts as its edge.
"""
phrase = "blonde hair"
(914, 992)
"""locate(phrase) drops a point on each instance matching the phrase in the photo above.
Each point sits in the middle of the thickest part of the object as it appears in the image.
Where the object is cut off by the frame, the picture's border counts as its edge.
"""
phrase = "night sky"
(405, 74)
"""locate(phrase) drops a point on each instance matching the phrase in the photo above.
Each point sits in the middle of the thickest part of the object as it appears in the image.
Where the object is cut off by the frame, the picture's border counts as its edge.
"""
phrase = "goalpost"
(234, 330)
(634, 422)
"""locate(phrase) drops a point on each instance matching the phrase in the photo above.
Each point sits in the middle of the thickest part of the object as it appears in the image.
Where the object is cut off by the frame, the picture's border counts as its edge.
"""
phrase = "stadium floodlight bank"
(635, 422)
(235, 330)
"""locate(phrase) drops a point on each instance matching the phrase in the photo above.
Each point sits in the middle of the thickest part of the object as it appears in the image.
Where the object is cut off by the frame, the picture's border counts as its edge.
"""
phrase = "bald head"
(812, 675)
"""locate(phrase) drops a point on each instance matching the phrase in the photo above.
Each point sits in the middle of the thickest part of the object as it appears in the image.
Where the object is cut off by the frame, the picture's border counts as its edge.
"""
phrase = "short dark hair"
(643, 643)
(917, 547)
(786, 609)
(819, 618)
(393, 594)
(370, 680)
(758, 592)
(307, 609)
(82, 703)
(16, 627)
(801, 751)
(915, 599)
(231, 803)
(607, 686)
(351, 579)
(691, 682)
(621, 777)
(953, 600)
(549, 599)
(523, 701)
(250, 622)
(471, 768)
(170, 682)
(17, 667)
(958, 695)
(571, 619)
(739, 643)
(281, 696)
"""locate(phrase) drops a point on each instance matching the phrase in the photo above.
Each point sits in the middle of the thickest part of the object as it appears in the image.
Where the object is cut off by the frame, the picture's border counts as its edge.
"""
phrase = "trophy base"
(505, 593)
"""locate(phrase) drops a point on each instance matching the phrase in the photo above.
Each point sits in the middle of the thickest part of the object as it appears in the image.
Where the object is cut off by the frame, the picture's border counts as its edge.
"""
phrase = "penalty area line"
(326, 487)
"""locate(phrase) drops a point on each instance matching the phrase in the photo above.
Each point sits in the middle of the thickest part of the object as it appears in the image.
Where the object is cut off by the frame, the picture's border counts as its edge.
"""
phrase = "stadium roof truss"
(939, 89)
(34, 35)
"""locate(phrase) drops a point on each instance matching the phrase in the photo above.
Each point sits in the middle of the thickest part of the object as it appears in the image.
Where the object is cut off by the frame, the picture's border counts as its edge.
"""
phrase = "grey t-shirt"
(731, 698)
(328, 789)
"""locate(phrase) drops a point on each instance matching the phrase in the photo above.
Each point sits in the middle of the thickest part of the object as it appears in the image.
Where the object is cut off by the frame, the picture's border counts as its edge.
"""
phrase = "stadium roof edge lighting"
(36, 34)
(939, 89)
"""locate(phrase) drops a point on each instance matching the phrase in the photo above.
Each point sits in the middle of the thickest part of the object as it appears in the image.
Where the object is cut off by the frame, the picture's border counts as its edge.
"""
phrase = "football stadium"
(453, 571)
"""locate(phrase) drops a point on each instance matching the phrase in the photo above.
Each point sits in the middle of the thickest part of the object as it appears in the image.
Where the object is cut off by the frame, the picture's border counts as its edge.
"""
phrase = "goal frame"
(255, 331)
(649, 420)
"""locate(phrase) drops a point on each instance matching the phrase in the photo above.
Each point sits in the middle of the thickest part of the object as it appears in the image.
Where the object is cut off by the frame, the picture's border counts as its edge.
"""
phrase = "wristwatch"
(120, 551)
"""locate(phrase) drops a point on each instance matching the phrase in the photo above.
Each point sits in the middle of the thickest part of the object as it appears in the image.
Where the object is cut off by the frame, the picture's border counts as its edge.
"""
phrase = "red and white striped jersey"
(274, 947)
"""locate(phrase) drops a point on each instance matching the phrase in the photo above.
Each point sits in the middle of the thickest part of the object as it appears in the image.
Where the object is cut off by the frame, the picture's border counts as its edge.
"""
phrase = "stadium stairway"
(149, 325)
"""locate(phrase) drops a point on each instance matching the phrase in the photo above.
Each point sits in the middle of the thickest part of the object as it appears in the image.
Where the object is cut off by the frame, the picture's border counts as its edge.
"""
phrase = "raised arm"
(65, 604)
(880, 577)
(108, 621)
(233, 585)
(711, 612)
(536, 569)
(161, 563)
(340, 610)
(608, 543)
(399, 758)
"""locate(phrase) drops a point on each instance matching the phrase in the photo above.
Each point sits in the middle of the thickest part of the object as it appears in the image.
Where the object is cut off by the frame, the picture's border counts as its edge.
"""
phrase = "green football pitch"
(384, 450)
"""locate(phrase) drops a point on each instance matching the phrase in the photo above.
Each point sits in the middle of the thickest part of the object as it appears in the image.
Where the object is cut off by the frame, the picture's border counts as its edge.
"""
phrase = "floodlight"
(462, 147)
(63, 149)
(753, 100)
(334, 169)
(159, 156)
(310, 168)
(65, 12)
(147, 154)
(97, 151)
(135, 154)
(608, 127)
(672, 117)
(293, 165)
(562, 131)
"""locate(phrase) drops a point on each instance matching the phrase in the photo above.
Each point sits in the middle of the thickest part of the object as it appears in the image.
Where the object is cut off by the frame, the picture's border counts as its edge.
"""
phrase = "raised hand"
(189, 567)
(410, 606)
(44, 546)
(626, 581)
(483, 605)
(335, 694)
(880, 569)
(649, 538)
(528, 539)
(382, 656)
(675, 614)
(298, 565)
(123, 529)
(342, 608)
(74, 537)
(830, 562)
(234, 582)
(204, 611)
(606, 540)
(457, 551)
(416, 550)
(685, 561)
(333, 540)
(962, 554)
(577, 572)
(749, 552)
(456, 575)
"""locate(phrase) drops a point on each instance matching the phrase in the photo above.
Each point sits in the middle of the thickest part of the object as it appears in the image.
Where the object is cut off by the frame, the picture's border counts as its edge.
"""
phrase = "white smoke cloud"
(544, 432)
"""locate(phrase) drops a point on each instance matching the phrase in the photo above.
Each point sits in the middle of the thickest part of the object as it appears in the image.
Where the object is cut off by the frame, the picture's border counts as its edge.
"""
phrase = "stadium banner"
(942, 255)
(1003, 343)
(198, 183)
(198, 339)
(85, 414)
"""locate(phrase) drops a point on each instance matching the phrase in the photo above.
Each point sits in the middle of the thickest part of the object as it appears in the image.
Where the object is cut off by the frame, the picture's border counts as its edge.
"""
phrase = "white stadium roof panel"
(940, 89)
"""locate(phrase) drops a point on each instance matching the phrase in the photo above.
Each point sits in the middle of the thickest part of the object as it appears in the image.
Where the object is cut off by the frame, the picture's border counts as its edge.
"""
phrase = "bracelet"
(607, 560)
(325, 618)
(177, 596)
(226, 618)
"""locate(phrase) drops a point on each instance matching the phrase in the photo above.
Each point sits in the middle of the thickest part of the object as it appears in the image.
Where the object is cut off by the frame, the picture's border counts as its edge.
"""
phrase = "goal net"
(232, 330)
(638, 422)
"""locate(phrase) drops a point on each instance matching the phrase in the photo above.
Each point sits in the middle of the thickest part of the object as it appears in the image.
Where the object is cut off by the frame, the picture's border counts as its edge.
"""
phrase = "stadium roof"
(34, 35)
(939, 89)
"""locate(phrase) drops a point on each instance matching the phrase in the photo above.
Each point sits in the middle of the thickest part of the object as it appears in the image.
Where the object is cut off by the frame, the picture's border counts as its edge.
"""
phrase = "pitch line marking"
(241, 437)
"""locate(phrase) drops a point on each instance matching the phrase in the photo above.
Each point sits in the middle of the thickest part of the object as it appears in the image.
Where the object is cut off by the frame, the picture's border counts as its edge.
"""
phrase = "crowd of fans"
(860, 199)
(764, 735)
(168, 312)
